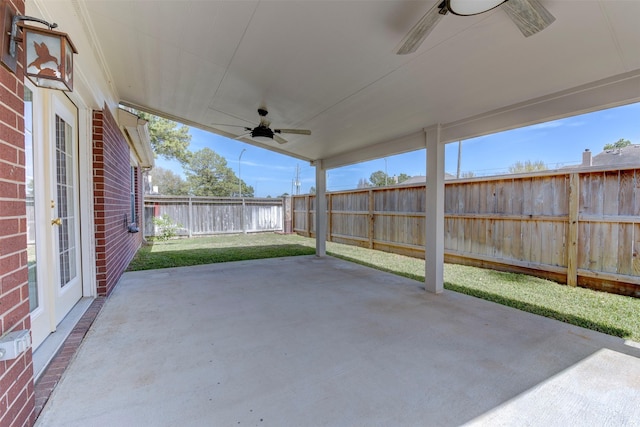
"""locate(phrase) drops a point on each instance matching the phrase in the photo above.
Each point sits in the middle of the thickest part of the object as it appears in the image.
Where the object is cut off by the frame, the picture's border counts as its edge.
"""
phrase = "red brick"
(8, 116)
(11, 172)
(8, 153)
(11, 99)
(12, 137)
(9, 190)
(10, 418)
(13, 280)
(20, 384)
(27, 414)
(9, 226)
(10, 299)
(9, 245)
(10, 263)
(10, 208)
(16, 316)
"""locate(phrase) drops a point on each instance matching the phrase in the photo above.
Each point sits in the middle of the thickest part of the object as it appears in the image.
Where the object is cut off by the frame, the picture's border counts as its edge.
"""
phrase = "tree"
(380, 179)
(528, 166)
(468, 174)
(168, 138)
(168, 182)
(621, 143)
(364, 183)
(208, 175)
(402, 178)
(312, 190)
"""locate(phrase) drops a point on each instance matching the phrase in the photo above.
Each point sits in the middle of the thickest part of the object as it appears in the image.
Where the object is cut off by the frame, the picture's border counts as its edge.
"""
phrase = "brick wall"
(16, 376)
(115, 246)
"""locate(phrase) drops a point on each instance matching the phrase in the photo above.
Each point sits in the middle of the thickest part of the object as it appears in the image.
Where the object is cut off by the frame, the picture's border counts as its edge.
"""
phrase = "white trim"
(85, 175)
(136, 132)
(85, 172)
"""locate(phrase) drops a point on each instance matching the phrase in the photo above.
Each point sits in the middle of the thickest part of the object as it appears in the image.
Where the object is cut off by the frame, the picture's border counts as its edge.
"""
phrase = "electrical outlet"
(14, 343)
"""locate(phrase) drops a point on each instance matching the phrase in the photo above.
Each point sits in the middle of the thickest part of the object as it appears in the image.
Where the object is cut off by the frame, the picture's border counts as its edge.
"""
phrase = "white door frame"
(46, 104)
(85, 173)
(68, 295)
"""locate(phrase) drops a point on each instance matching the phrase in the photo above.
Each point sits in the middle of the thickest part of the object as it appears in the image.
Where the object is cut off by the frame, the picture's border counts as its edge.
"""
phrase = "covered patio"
(320, 341)
(334, 78)
(305, 340)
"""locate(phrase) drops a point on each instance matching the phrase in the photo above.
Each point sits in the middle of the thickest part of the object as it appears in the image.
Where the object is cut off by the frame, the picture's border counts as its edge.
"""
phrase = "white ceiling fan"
(529, 16)
(262, 132)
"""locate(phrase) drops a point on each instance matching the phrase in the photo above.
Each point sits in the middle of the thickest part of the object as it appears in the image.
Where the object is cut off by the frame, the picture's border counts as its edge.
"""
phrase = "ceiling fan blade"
(228, 125)
(294, 131)
(530, 16)
(279, 139)
(414, 38)
(242, 135)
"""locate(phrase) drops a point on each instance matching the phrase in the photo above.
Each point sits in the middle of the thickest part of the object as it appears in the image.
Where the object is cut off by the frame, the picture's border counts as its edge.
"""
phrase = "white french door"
(65, 209)
(53, 222)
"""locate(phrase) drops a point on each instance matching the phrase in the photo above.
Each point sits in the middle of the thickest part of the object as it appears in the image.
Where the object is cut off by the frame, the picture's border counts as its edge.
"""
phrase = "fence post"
(308, 208)
(190, 229)
(242, 221)
(371, 218)
(574, 212)
(286, 215)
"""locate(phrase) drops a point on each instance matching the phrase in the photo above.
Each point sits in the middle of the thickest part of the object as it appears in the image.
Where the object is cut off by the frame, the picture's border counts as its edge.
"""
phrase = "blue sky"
(557, 143)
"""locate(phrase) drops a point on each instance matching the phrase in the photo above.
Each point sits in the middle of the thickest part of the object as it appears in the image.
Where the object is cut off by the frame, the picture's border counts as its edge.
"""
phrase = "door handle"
(56, 221)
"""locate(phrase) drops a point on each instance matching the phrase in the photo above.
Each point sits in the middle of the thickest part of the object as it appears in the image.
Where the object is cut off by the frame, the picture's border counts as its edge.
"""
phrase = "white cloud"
(547, 125)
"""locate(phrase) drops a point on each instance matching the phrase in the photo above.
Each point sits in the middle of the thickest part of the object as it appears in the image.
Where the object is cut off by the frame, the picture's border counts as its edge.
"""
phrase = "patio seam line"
(58, 365)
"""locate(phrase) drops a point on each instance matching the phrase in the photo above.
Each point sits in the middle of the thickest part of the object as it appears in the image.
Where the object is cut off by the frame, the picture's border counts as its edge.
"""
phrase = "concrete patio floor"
(306, 341)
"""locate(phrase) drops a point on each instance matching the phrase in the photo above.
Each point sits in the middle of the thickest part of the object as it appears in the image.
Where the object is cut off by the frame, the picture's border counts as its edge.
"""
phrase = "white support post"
(434, 224)
(321, 209)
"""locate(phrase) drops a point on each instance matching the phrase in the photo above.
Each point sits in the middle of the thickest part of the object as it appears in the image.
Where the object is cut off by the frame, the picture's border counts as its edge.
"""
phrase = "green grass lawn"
(612, 314)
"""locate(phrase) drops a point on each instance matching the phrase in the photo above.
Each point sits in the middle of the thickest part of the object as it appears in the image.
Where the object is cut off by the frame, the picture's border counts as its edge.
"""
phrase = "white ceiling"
(330, 66)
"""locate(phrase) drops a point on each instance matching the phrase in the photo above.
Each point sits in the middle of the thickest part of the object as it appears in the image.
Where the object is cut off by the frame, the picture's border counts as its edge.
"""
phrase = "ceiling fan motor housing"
(262, 131)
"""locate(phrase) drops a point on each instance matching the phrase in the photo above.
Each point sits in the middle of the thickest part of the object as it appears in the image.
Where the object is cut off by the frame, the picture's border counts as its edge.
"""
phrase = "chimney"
(586, 158)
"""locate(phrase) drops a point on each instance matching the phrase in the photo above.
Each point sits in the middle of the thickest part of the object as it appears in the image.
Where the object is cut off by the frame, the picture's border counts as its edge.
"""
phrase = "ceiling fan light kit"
(262, 134)
(472, 7)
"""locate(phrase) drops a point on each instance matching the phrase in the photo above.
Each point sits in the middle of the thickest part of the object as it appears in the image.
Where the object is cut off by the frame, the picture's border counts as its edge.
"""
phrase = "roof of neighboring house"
(625, 155)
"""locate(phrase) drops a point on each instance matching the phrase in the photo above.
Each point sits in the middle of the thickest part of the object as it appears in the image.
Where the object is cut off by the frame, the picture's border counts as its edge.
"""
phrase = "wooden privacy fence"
(201, 216)
(580, 227)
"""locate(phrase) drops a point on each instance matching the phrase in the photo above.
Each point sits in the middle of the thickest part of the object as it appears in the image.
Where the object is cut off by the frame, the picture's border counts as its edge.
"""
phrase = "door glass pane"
(65, 187)
(30, 193)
